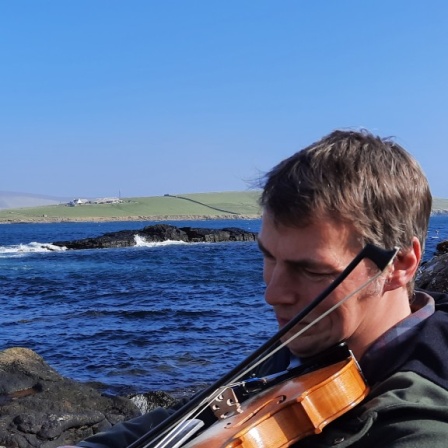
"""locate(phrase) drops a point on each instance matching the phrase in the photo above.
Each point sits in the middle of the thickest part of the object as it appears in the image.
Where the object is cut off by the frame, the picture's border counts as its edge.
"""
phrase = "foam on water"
(17, 250)
(24, 249)
(141, 242)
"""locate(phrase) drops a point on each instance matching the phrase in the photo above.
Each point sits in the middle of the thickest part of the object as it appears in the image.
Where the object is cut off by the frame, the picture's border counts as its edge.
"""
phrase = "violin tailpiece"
(225, 404)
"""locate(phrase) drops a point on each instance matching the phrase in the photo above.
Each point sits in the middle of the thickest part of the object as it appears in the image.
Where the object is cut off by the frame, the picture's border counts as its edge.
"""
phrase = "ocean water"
(168, 316)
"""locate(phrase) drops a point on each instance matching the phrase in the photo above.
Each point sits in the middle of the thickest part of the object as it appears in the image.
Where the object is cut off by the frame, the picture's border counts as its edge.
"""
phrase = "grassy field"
(440, 204)
(189, 206)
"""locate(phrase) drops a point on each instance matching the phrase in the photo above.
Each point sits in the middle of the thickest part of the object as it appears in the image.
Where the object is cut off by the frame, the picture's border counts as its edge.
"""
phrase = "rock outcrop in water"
(159, 233)
(433, 275)
(40, 408)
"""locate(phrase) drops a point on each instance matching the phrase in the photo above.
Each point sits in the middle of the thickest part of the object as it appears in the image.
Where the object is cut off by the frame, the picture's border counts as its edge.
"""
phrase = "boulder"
(41, 408)
(433, 275)
(442, 248)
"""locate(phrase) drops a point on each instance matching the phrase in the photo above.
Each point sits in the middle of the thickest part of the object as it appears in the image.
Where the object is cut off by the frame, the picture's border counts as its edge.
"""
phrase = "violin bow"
(152, 439)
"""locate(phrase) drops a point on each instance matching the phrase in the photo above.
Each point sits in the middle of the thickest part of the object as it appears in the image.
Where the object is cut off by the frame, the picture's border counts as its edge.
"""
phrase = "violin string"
(314, 322)
(307, 327)
(203, 405)
(169, 434)
(319, 318)
(235, 381)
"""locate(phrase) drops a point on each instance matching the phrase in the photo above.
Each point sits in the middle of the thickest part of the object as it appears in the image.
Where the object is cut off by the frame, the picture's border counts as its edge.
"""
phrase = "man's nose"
(281, 288)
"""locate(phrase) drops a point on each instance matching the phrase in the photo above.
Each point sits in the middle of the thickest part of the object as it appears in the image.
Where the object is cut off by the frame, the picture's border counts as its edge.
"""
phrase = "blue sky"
(146, 97)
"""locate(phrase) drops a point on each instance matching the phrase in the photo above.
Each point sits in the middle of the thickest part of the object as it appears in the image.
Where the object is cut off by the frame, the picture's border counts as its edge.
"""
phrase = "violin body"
(283, 414)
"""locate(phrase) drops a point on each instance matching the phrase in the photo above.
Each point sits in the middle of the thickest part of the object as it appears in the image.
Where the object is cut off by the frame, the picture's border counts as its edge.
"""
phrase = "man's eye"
(318, 275)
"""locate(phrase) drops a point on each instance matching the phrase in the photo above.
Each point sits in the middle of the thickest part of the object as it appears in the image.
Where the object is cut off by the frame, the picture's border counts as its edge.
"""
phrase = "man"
(320, 207)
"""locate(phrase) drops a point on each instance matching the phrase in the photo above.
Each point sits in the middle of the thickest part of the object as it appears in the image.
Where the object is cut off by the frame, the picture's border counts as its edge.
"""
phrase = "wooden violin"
(282, 414)
(290, 411)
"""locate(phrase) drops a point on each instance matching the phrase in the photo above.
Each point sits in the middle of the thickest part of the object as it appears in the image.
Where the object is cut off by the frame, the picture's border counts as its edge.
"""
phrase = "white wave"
(33, 247)
(141, 242)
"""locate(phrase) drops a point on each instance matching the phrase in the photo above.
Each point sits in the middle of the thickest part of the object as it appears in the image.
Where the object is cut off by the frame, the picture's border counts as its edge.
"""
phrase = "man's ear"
(404, 266)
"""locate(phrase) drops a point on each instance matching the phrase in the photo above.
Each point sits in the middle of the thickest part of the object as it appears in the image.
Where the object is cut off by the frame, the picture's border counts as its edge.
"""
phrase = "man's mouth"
(282, 321)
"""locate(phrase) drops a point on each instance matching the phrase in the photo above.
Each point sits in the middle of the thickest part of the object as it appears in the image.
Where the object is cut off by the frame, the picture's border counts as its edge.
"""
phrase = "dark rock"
(199, 235)
(433, 275)
(159, 233)
(40, 408)
(150, 400)
(442, 248)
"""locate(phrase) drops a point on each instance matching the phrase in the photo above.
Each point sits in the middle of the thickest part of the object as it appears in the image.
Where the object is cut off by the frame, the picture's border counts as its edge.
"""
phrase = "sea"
(165, 316)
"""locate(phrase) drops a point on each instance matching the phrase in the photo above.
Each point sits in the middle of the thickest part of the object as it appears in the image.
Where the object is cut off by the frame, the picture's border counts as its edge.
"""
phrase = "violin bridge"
(225, 404)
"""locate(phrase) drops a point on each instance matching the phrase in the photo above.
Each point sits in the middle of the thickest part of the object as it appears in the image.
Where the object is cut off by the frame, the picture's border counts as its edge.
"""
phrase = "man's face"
(299, 263)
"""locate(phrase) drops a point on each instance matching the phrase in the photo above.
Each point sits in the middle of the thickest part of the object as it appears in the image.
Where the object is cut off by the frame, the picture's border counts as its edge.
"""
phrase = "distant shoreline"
(156, 218)
(55, 220)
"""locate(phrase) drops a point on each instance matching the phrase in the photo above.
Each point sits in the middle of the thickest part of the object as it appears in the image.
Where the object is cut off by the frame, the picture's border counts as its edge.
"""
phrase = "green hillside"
(185, 206)
(228, 205)
(440, 204)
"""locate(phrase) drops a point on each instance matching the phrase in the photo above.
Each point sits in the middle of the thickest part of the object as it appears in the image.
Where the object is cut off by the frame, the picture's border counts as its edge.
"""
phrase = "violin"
(279, 415)
(290, 411)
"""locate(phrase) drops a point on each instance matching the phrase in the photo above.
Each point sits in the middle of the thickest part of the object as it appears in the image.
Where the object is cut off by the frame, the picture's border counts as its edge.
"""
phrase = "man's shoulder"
(402, 411)
(421, 349)
(428, 352)
(407, 387)
(407, 402)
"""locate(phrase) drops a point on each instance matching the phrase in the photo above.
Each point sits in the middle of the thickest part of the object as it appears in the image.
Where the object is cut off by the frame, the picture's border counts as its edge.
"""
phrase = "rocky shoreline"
(45, 219)
(156, 218)
(42, 409)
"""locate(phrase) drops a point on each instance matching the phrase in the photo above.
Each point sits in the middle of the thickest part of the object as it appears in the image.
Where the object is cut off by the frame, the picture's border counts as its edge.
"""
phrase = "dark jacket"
(407, 406)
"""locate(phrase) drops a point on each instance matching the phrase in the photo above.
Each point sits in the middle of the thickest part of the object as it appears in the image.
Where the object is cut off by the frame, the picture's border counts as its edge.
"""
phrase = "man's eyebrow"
(306, 263)
(301, 263)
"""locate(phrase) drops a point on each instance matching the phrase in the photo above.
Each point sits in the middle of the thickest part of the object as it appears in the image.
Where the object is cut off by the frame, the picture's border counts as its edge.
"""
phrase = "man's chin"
(312, 349)
(304, 352)
(309, 348)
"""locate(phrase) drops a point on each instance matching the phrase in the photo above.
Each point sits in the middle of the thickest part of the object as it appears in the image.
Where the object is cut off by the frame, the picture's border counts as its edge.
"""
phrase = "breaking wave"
(24, 249)
(141, 242)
